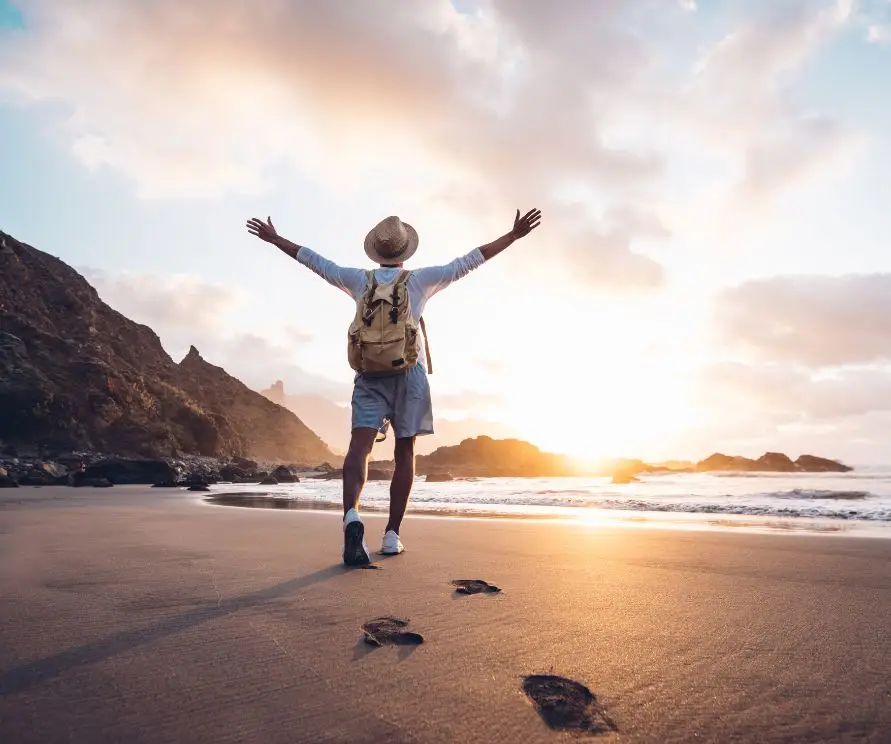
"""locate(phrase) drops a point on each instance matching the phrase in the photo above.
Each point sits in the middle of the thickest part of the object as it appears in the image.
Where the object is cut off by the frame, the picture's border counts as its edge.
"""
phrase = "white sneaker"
(391, 545)
(355, 551)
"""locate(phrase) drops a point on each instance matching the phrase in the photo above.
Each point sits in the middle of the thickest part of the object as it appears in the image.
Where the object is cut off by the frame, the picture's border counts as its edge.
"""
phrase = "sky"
(712, 272)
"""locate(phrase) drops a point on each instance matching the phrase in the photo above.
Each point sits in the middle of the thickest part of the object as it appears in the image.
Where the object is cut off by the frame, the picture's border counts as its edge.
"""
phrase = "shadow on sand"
(20, 678)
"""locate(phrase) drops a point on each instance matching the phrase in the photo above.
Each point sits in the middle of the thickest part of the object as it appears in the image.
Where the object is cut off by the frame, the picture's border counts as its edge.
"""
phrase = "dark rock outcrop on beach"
(120, 471)
(7, 482)
(284, 474)
(77, 375)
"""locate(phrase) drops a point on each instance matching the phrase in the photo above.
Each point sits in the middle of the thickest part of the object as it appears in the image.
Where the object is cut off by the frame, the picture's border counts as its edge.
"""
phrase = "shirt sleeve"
(351, 281)
(434, 279)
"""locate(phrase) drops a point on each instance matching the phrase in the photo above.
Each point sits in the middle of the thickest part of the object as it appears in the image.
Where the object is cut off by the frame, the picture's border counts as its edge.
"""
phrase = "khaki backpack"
(383, 337)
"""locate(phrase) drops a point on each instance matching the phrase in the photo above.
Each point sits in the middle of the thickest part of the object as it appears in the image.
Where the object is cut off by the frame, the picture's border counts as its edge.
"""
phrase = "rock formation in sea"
(770, 462)
(484, 457)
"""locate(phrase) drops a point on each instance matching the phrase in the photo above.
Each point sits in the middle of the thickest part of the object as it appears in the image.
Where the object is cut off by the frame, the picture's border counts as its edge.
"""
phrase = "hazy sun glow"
(616, 395)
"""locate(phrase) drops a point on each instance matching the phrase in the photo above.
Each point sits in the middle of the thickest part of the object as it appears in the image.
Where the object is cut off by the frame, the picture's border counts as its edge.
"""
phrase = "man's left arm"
(522, 227)
(436, 278)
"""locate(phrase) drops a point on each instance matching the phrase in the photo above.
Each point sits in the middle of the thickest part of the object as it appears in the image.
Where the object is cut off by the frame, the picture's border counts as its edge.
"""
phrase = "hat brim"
(409, 251)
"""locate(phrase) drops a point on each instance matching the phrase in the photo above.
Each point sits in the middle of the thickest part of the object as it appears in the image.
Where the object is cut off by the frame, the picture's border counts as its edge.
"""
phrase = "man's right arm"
(351, 281)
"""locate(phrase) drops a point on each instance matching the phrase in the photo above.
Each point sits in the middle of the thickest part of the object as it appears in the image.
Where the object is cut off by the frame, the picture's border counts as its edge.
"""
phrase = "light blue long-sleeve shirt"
(422, 283)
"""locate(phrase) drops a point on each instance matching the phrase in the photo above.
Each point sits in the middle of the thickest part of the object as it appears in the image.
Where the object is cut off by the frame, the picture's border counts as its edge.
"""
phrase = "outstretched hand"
(263, 230)
(527, 223)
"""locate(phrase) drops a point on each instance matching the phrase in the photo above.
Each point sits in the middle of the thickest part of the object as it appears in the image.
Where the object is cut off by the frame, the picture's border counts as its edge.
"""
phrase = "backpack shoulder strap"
(426, 346)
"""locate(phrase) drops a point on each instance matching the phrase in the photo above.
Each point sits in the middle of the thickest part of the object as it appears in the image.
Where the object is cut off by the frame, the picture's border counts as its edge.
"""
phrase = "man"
(381, 399)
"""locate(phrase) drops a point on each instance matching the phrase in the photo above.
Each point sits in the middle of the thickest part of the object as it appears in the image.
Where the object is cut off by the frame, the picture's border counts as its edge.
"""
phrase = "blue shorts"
(402, 400)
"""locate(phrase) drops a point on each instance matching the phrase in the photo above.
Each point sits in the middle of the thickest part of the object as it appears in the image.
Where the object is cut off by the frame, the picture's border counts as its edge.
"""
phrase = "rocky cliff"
(76, 374)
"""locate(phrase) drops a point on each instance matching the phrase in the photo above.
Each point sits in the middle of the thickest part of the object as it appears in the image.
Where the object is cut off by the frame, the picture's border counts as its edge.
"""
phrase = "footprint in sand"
(566, 705)
(474, 586)
(390, 631)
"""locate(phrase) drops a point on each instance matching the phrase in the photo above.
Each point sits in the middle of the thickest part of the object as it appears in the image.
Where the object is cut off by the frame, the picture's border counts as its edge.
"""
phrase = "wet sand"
(143, 615)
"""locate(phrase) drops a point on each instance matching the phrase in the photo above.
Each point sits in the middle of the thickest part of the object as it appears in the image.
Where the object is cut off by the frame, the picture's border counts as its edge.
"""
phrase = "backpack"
(383, 337)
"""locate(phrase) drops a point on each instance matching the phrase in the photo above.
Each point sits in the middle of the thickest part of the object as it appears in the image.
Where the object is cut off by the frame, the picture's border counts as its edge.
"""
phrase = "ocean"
(856, 502)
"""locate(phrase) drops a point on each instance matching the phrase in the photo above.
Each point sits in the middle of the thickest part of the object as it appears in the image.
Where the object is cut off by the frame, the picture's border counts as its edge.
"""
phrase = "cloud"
(743, 94)
(812, 320)
(171, 305)
(844, 413)
(688, 6)
(783, 393)
(505, 99)
(601, 251)
(878, 33)
(496, 96)
(256, 359)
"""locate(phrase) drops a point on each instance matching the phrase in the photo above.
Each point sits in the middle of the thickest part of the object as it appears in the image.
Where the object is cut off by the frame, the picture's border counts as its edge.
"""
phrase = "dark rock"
(7, 482)
(770, 462)
(377, 474)
(71, 460)
(283, 474)
(199, 487)
(199, 479)
(269, 480)
(54, 469)
(121, 471)
(726, 463)
(814, 464)
(167, 484)
(37, 478)
(80, 480)
(775, 462)
(333, 474)
(245, 464)
(233, 473)
(439, 477)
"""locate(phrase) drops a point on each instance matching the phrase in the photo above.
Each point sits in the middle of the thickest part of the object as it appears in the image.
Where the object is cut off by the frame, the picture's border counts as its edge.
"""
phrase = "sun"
(616, 412)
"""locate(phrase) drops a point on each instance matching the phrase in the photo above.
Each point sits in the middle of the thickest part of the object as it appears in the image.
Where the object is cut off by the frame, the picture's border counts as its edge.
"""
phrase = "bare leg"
(355, 466)
(403, 478)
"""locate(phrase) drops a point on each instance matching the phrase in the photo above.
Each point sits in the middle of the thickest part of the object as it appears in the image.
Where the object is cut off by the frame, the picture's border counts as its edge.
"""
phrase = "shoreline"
(670, 521)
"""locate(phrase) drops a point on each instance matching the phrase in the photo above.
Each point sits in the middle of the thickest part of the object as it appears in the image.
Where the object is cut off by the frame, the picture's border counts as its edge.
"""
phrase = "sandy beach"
(140, 615)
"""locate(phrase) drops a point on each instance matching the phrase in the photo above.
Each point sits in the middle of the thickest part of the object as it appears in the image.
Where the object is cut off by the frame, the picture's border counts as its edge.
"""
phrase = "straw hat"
(391, 241)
